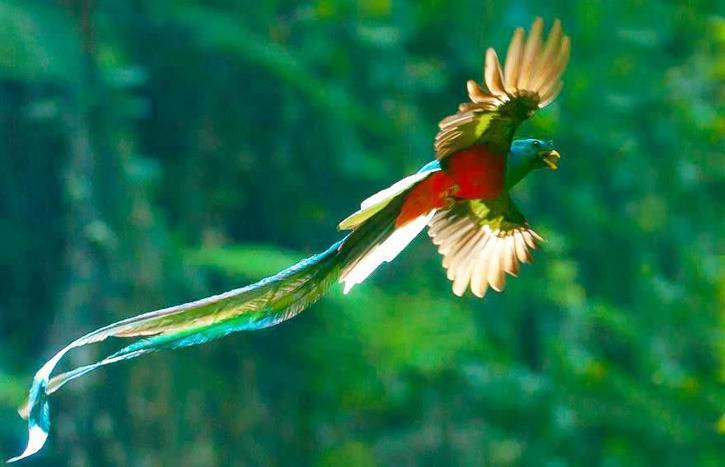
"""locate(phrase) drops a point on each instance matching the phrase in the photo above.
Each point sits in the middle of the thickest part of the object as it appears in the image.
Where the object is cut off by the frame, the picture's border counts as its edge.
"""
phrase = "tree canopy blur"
(156, 152)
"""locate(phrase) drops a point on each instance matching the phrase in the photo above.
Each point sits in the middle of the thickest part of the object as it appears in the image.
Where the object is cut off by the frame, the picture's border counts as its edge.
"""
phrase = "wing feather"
(492, 270)
(383, 252)
(531, 50)
(493, 76)
(529, 80)
(551, 47)
(481, 242)
(513, 60)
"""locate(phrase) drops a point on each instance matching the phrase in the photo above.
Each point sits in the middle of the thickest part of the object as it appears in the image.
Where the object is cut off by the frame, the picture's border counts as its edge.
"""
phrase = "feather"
(509, 257)
(550, 77)
(444, 230)
(477, 95)
(375, 203)
(531, 50)
(393, 190)
(493, 76)
(528, 238)
(522, 251)
(495, 275)
(449, 243)
(455, 249)
(503, 253)
(479, 282)
(545, 59)
(456, 120)
(459, 256)
(491, 104)
(550, 94)
(465, 269)
(256, 306)
(479, 279)
(513, 60)
(385, 251)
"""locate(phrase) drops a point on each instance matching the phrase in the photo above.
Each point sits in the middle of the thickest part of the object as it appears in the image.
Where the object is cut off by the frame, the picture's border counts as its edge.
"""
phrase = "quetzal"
(462, 196)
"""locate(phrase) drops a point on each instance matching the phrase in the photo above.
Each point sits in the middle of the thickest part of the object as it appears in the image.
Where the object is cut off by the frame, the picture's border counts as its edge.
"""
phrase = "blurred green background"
(156, 152)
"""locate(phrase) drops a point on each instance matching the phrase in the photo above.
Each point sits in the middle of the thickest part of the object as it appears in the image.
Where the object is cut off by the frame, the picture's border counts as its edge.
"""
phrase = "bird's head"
(535, 153)
(527, 155)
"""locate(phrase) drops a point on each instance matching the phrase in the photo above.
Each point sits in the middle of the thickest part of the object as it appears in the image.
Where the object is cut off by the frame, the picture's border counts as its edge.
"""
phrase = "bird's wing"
(529, 81)
(481, 241)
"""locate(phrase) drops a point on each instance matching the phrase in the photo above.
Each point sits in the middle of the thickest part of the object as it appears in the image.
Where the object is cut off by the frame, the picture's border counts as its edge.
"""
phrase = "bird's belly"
(476, 173)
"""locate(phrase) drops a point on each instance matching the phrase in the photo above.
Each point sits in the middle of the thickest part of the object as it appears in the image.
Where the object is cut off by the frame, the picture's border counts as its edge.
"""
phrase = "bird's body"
(463, 197)
(476, 172)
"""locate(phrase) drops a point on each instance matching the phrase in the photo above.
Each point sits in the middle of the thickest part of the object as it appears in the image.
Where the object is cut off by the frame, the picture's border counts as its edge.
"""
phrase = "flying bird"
(463, 197)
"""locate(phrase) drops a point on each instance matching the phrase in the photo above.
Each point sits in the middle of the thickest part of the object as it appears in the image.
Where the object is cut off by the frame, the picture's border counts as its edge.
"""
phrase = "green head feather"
(527, 155)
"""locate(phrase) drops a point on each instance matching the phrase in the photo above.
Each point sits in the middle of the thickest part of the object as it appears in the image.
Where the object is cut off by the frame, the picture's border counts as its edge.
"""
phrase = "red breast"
(477, 172)
(473, 173)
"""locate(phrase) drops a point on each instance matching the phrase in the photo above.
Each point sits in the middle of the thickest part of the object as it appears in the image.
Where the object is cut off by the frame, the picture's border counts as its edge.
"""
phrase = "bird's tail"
(263, 304)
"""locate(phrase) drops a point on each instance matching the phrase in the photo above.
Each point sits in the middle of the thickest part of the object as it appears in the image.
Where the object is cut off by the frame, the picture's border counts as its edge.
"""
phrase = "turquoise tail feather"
(260, 305)
(263, 304)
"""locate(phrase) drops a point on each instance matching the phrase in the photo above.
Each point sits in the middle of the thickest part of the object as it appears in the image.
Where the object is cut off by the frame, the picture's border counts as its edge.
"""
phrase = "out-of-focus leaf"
(250, 261)
(38, 42)
(215, 30)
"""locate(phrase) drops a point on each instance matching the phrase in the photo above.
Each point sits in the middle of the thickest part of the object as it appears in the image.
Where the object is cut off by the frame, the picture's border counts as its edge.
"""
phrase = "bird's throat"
(516, 171)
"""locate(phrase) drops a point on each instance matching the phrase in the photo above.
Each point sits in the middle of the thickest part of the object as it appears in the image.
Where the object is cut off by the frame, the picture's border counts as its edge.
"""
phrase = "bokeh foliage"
(155, 152)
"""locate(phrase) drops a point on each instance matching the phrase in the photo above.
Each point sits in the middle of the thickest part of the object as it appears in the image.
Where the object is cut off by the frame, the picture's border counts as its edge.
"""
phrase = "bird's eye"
(537, 144)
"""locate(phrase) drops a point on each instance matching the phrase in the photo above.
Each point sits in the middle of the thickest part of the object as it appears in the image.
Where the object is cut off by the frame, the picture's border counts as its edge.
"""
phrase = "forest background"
(156, 152)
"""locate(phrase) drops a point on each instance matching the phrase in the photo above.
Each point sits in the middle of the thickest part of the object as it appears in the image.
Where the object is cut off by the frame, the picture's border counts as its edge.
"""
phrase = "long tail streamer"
(260, 305)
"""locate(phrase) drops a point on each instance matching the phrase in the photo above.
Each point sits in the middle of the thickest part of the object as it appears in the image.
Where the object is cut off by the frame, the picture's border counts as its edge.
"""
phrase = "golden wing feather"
(530, 79)
(481, 242)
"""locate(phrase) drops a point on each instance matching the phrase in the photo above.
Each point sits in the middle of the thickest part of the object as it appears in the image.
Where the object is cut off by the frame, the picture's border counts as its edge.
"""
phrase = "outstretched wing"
(480, 242)
(529, 81)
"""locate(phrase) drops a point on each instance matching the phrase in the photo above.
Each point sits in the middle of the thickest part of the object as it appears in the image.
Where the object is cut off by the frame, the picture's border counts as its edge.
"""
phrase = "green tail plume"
(260, 305)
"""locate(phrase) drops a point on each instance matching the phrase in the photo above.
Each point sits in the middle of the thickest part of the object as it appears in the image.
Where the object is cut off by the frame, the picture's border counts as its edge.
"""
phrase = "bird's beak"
(551, 158)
